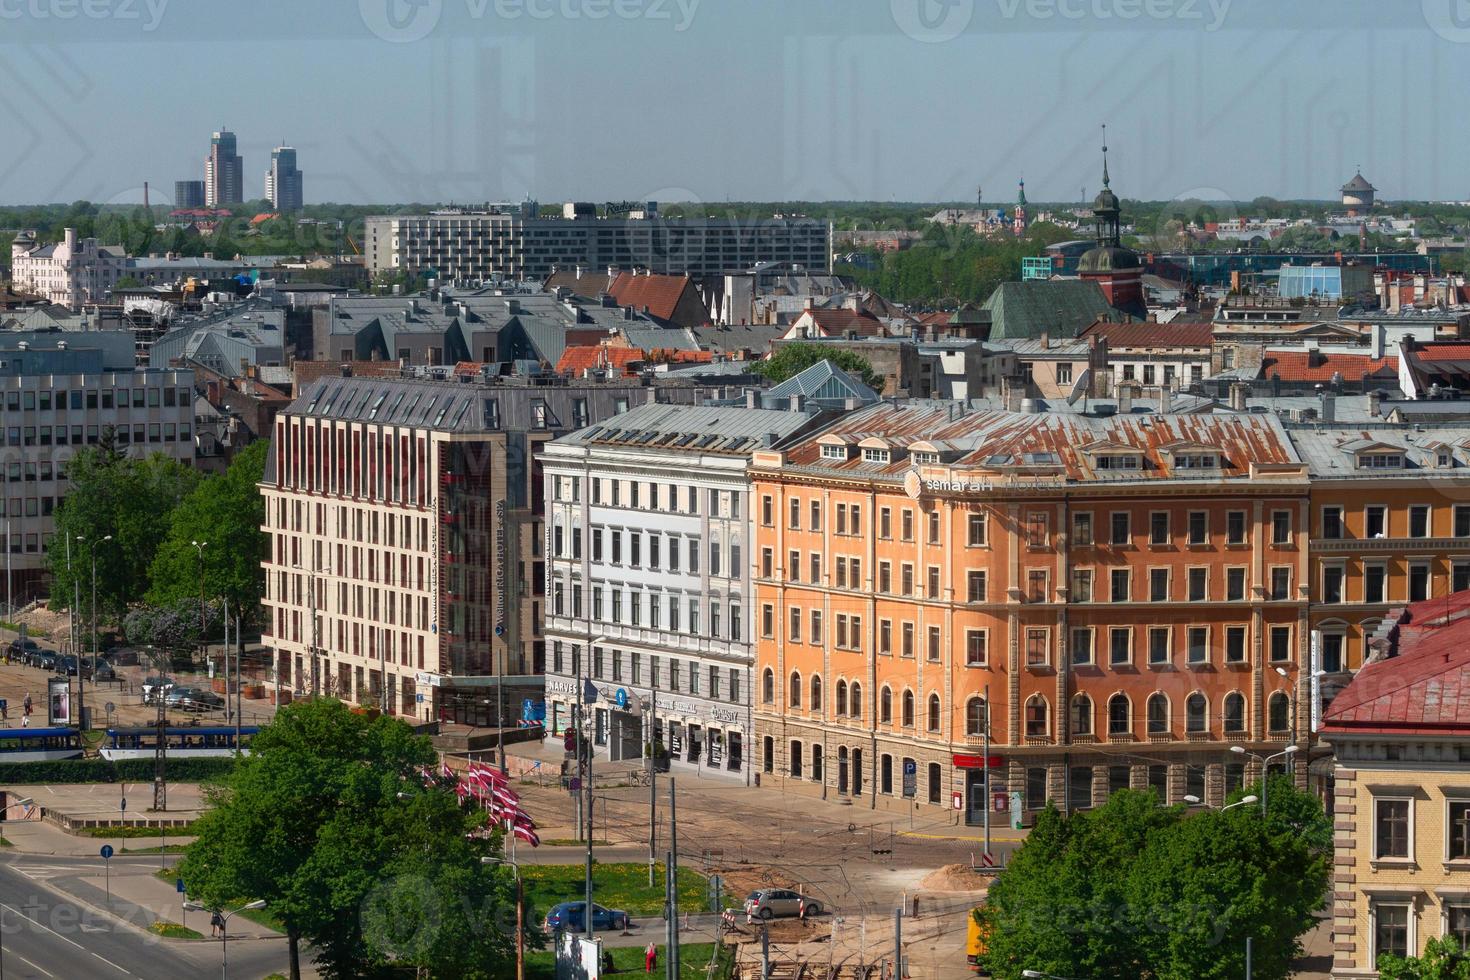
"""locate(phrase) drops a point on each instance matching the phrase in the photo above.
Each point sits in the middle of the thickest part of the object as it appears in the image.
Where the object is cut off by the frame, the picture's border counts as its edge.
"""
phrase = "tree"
(792, 359)
(1134, 889)
(226, 511)
(131, 499)
(332, 822)
(1443, 959)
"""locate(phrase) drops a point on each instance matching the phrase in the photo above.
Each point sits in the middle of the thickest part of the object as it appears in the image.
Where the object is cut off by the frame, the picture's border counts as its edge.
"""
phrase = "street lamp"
(81, 676)
(224, 915)
(199, 546)
(520, 909)
(1265, 765)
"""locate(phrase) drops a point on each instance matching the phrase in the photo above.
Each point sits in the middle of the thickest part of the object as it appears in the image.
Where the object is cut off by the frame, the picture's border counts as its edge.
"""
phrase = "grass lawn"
(172, 930)
(693, 958)
(155, 849)
(115, 832)
(614, 886)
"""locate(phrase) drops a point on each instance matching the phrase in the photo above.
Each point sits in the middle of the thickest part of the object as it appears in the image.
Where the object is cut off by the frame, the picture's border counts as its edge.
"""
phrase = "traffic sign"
(122, 805)
(107, 852)
(179, 885)
(910, 777)
(621, 698)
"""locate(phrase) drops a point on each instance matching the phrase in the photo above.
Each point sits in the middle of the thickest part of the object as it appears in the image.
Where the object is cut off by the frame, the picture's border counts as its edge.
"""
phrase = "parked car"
(67, 664)
(193, 699)
(568, 915)
(769, 903)
(98, 669)
(155, 687)
(21, 650)
(45, 659)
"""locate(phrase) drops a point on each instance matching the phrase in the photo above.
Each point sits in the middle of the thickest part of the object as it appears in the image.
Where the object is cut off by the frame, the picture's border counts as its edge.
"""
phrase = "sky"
(395, 101)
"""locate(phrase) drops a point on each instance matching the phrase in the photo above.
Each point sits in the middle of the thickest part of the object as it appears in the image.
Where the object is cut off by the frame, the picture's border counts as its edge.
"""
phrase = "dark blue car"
(568, 916)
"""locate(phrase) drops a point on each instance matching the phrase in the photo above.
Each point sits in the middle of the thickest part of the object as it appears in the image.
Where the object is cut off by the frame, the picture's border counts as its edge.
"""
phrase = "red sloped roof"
(575, 360)
(1191, 334)
(1425, 689)
(1443, 352)
(1306, 365)
(660, 294)
(838, 322)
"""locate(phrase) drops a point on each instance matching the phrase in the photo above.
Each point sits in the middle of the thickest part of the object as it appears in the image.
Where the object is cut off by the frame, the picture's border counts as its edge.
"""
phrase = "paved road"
(52, 925)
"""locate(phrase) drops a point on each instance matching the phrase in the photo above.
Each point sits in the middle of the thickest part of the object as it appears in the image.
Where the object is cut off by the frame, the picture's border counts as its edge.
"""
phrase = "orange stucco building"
(1124, 589)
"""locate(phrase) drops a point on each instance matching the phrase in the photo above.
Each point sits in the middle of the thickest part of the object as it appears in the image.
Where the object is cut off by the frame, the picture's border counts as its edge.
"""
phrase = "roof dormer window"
(925, 459)
(1381, 461)
(831, 451)
(1119, 461)
(871, 455)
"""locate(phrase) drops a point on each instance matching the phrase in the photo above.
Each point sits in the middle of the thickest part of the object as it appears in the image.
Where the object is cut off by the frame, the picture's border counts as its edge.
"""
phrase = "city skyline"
(474, 101)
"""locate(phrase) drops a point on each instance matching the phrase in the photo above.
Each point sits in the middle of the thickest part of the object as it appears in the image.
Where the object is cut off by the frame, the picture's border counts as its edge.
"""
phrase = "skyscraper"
(188, 193)
(283, 180)
(224, 172)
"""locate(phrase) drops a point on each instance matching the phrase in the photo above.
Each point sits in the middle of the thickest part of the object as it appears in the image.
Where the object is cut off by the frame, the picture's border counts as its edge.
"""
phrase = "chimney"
(1046, 340)
(1125, 398)
(798, 403)
(1238, 393)
(1166, 400)
(71, 240)
(752, 398)
(1013, 399)
(1375, 403)
(1329, 407)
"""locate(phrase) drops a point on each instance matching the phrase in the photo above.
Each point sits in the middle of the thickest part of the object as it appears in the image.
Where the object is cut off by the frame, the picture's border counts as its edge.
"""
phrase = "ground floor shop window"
(768, 754)
(1079, 788)
(1118, 779)
(1158, 781)
(1194, 782)
(816, 763)
(885, 774)
(795, 759)
(936, 782)
(1036, 788)
(1390, 931)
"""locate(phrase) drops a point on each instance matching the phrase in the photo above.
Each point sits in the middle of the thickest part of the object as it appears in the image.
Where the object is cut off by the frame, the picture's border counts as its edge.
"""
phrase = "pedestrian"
(216, 925)
(650, 958)
(27, 703)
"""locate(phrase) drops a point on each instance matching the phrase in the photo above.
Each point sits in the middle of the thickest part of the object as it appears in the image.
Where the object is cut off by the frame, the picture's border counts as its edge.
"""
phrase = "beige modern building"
(1401, 733)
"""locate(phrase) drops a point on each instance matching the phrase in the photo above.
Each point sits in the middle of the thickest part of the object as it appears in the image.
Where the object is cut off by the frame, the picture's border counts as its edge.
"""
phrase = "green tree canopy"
(226, 513)
(330, 820)
(130, 499)
(1443, 959)
(1134, 889)
(792, 359)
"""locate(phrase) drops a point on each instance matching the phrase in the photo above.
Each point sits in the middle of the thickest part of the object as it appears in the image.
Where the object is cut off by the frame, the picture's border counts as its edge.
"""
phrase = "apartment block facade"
(73, 272)
(1111, 596)
(515, 243)
(649, 580)
(1401, 800)
(405, 516)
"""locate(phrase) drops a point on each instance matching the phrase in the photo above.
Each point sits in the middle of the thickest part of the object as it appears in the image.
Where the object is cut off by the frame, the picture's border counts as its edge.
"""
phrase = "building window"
(1158, 644)
(977, 530)
(1281, 582)
(1390, 930)
(1081, 646)
(1235, 584)
(1038, 652)
(934, 527)
(1036, 585)
(977, 648)
(1459, 832)
(1462, 520)
(1281, 527)
(1119, 579)
(1198, 584)
(1199, 527)
(1457, 924)
(1121, 528)
(1038, 530)
(1079, 787)
(885, 705)
(1158, 714)
(1332, 578)
(1081, 585)
(1120, 645)
(1235, 527)
(934, 644)
(1332, 650)
(815, 704)
(1120, 716)
(1081, 715)
(1036, 717)
(1234, 713)
(1199, 644)
(768, 686)
(1278, 712)
(975, 717)
(1235, 644)
(975, 586)
(1082, 530)
(885, 774)
(1158, 585)
(1375, 582)
(794, 694)
(1375, 521)
(933, 712)
(1418, 581)
(1196, 713)
(1036, 788)
(1391, 828)
(1281, 643)
(906, 717)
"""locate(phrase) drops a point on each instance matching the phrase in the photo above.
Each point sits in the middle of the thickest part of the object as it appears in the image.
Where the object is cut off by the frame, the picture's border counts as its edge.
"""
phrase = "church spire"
(1105, 153)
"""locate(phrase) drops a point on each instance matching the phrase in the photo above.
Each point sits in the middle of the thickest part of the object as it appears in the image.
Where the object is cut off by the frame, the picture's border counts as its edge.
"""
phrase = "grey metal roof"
(823, 380)
(693, 429)
(1327, 450)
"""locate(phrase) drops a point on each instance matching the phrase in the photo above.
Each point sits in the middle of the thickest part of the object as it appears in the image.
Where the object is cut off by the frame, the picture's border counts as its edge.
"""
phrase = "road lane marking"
(42, 925)
(110, 963)
(30, 964)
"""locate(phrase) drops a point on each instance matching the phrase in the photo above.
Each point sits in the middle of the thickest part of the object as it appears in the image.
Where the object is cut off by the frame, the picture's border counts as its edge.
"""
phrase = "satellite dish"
(1080, 386)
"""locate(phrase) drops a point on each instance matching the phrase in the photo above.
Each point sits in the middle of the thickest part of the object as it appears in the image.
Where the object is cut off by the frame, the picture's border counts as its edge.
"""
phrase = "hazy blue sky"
(473, 100)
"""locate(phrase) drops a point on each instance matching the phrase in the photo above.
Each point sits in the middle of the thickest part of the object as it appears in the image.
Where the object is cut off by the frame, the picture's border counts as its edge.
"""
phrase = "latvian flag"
(528, 835)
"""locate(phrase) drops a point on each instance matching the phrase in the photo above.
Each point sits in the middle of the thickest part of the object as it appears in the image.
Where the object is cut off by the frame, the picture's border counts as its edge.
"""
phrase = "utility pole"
(898, 944)
(160, 757)
(673, 956)
(240, 643)
(1248, 952)
(670, 910)
(985, 803)
(652, 785)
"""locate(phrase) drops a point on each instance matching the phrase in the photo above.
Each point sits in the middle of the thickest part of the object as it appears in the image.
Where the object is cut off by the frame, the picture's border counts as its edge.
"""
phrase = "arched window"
(1196, 713)
(1120, 715)
(1082, 715)
(975, 716)
(1158, 714)
(885, 705)
(908, 709)
(795, 699)
(839, 699)
(815, 703)
(1038, 721)
(1235, 712)
(768, 686)
(1280, 712)
(855, 700)
(934, 712)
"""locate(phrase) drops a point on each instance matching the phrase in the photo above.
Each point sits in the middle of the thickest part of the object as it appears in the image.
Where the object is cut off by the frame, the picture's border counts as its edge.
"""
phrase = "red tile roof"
(1443, 352)
(1307, 365)
(1195, 334)
(660, 294)
(575, 360)
(1425, 689)
(840, 321)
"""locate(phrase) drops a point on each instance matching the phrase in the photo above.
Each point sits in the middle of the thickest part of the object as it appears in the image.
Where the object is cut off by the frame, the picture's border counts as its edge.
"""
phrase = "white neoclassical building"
(72, 272)
(648, 578)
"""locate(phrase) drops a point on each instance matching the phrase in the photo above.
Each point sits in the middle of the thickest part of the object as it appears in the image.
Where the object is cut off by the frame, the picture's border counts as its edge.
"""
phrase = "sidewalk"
(39, 838)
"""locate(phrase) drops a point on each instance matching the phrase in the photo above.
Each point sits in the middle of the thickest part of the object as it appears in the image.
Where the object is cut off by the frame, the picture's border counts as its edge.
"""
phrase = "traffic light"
(569, 740)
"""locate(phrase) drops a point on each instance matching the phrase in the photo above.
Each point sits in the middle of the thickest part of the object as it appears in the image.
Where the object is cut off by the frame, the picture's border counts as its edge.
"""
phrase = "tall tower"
(224, 172)
(1116, 270)
(283, 180)
(1018, 223)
